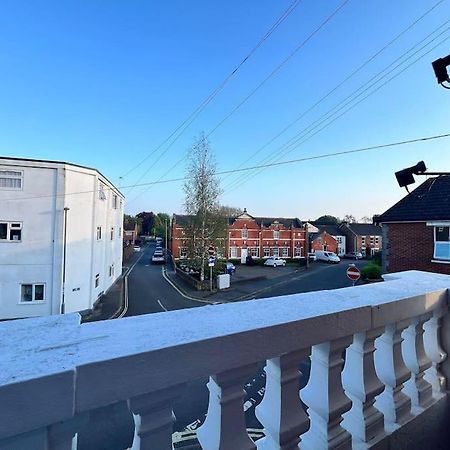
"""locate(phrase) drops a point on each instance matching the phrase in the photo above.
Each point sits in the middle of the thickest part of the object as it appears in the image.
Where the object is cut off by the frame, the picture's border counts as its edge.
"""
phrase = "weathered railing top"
(77, 367)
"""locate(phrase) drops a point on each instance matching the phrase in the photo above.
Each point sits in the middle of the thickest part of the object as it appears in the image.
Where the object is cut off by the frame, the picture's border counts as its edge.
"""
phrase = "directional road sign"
(211, 261)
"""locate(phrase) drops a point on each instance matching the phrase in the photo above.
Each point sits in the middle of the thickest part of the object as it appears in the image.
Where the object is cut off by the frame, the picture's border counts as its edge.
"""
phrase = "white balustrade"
(417, 361)
(325, 397)
(49, 384)
(224, 427)
(281, 412)
(392, 371)
(154, 418)
(361, 384)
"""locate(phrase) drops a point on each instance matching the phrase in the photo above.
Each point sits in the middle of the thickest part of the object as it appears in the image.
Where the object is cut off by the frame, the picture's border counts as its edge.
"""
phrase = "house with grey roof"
(362, 237)
(416, 230)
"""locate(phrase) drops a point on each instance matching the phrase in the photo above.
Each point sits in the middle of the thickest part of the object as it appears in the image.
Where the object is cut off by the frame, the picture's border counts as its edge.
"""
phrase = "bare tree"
(349, 218)
(230, 211)
(366, 219)
(207, 226)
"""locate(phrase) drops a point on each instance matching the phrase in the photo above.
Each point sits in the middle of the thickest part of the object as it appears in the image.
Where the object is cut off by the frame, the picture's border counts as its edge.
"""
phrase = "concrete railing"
(53, 370)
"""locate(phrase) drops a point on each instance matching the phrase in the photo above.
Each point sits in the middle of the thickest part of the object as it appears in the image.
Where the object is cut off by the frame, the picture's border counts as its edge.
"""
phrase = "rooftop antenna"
(405, 177)
(440, 70)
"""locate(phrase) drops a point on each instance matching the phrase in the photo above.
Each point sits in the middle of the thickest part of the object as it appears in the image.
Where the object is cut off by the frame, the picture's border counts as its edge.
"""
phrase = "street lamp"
(63, 305)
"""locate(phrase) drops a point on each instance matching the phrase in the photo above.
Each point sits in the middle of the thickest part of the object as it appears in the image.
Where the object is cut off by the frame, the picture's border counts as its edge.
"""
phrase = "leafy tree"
(161, 220)
(147, 220)
(128, 221)
(207, 226)
(327, 220)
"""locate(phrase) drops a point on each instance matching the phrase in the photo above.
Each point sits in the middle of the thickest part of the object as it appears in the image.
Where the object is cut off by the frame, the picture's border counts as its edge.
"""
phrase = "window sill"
(35, 302)
(9, 241)
(440, 261)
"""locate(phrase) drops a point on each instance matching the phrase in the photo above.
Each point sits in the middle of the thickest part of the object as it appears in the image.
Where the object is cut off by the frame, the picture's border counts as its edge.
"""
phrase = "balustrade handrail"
(54, 367)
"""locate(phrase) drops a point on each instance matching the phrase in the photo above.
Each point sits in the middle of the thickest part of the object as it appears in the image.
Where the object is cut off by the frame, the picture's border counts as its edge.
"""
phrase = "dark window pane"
(442, 234)
(39, 292)
(15, 235)
(3, 230)
(27, 292)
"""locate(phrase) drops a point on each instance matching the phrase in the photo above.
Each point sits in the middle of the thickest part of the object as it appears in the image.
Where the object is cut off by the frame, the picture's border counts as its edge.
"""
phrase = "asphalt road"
(149, 292)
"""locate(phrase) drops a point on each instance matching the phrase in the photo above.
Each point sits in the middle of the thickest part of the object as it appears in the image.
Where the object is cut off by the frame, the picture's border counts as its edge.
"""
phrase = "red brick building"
(259, 237)
(416, 230)
(323, 241)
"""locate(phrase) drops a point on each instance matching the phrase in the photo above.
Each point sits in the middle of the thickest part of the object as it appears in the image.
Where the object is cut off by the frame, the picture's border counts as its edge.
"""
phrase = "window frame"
(183, 252)
(33, 293)
(297, 252)
(97, 280)
(233, 252)
(266, 252)
(111, 232)
(99, 233)
(276, 252)
(285, 252)
(4, 176)
(435, 242)
(276, 234)
(12, 226)
(244, 233)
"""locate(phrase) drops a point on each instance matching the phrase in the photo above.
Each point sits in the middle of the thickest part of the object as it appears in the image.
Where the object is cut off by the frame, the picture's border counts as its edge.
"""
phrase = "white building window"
(244, 233)
(11, 179)
(112, 233)
(285, 252)
(442, 243)
(298, 252)
(97, 280)
(99, 233)
(276, 251)
(276, 234)
(30, 293)
(11, 231)
(115, 201)
(233, 252)
(254, 252)
(101, 191)
(111, 270)
(183, 252)
(266, 252)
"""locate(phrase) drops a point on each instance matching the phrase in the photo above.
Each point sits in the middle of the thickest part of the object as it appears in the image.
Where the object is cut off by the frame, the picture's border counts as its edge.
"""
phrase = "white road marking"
(162, 306)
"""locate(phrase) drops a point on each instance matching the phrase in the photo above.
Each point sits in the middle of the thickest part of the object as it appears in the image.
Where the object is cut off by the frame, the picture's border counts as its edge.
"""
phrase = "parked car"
(275, 261)
(329, 257)
(230, 268)
(137, 248)
(312, 257)
(354, 255)
(158, 256)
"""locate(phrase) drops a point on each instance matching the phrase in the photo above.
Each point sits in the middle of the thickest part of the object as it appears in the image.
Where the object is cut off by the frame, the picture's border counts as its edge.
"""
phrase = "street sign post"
(353, 273)
(211, 262)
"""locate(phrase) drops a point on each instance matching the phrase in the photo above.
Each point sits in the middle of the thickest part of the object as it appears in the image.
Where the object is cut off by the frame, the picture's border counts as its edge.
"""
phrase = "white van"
(329, 257)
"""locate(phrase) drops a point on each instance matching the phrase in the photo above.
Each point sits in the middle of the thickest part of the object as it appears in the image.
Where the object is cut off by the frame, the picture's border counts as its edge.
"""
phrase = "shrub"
(371, 272)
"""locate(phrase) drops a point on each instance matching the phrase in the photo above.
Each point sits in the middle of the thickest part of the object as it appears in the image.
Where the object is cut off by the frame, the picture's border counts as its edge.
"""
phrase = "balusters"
(392, 371)
(281, 411)
(325, 398)
(418, 389)
(224, 427)
(63, 435)
(362, 385)
(153, 418)
(432, 341)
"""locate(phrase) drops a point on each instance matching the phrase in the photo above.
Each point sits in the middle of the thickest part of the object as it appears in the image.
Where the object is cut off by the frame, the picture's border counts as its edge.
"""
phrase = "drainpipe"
(63, 305)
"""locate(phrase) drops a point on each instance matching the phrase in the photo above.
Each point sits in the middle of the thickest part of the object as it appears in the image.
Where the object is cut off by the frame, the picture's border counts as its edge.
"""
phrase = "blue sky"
(103, 83)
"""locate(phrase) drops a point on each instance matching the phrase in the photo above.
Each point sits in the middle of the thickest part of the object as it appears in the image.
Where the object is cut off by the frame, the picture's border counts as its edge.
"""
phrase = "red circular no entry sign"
(353, 273)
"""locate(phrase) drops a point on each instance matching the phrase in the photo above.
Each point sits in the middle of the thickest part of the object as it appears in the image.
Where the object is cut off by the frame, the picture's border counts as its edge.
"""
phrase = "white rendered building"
(60, 237)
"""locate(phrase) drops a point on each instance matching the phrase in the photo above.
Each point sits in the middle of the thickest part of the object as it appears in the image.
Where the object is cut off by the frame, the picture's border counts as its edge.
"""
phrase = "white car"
(158, 256)
(312, 257)
(137, 248)
(275, 261)
(329, 257)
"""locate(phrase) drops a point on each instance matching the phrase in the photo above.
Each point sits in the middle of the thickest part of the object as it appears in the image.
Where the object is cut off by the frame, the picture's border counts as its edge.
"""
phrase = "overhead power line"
(251, 93)
(302, 136)
(341, 83)
(260, 166)
(205, 102)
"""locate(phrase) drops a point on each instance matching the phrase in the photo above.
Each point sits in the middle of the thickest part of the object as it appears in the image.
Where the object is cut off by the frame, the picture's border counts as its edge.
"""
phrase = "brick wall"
(410, 246)
(324, 240)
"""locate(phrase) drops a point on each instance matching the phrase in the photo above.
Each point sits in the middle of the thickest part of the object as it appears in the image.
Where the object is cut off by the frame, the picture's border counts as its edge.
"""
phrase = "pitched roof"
(183, 220)
(430, 201)
(334, 230)
(364, 229)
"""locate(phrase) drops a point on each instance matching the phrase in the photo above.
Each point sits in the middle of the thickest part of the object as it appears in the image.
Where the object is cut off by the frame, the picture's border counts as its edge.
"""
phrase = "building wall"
(410, 246)
(259, 238)
(325, 242)
(31, 259)
(38, 257)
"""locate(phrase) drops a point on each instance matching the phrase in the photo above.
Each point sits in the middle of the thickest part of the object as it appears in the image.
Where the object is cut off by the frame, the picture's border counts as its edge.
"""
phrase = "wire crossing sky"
(104, 84)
